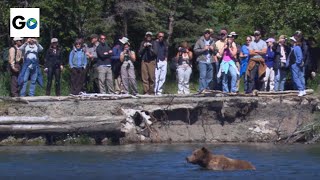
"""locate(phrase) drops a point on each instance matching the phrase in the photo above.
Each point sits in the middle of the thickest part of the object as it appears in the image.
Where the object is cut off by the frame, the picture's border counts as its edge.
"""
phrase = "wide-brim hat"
(17, 39)
(124, 40)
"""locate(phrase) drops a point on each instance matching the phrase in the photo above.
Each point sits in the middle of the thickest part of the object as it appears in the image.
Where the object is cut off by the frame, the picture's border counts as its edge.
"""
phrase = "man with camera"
(148, 64)
(127, 57)
(204, 49)
(161, 51)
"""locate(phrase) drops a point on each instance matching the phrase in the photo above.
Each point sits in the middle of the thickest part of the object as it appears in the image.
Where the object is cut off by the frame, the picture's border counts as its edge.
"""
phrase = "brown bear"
(208, 160)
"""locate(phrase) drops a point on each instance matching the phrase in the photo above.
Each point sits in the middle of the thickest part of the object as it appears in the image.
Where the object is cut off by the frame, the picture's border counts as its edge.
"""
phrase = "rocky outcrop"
(196, 118)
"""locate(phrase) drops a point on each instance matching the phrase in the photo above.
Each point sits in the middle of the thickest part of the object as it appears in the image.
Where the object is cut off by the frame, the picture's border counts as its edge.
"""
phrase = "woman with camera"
(127, 57)
(184, 70)
(228, 66)
(30, 68)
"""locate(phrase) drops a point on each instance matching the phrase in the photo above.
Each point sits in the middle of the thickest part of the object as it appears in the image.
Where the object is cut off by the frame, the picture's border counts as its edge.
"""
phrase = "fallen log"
(18, 124)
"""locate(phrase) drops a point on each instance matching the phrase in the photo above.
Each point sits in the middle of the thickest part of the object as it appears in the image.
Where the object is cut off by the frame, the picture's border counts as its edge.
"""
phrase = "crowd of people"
(221, 62)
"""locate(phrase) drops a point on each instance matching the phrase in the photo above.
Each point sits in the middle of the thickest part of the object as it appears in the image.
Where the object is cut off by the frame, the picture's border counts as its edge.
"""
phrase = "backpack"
(5, 58)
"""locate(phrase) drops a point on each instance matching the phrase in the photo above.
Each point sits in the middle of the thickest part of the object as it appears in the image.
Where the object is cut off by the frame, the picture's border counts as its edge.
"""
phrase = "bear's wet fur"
(208, 160)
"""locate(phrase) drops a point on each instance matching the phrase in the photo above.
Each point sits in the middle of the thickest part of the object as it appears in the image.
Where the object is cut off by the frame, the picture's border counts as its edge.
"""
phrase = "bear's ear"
(205, 150)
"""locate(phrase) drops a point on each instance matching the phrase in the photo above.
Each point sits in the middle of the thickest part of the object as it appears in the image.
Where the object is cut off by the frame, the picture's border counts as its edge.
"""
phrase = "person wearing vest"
(30, 68)
(53, 66)
(77, 63)
(104, 69)
(184, 69)
(15, 60)
(148, 64)
(204, 49)
(128, 57)
(279, 65)
(296, 65)
(92, 67)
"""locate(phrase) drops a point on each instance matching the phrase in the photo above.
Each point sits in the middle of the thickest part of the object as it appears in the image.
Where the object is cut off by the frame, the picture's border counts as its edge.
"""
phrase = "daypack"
(5, 58)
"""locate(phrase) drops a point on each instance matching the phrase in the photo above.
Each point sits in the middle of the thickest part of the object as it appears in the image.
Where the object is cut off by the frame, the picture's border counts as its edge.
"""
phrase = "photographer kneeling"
(127, 70)
(184, 69)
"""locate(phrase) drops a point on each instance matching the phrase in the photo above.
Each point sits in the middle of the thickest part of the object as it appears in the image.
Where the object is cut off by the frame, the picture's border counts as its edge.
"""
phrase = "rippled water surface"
(152, 161)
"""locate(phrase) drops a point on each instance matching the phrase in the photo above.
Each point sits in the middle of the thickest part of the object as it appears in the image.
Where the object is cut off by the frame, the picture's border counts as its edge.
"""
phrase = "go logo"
(24, 22)
(32, 23)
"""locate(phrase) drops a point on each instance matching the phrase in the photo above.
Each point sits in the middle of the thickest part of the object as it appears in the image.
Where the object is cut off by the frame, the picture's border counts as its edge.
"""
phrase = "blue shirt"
(81, 59)
(244, 61)
(269, 57)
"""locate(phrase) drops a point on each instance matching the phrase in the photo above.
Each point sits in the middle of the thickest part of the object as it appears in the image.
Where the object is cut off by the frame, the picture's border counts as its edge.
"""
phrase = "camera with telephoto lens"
(183, 50)
(148, 44)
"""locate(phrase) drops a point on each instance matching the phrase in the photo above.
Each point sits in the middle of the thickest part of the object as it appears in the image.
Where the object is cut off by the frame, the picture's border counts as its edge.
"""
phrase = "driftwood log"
(80, 124)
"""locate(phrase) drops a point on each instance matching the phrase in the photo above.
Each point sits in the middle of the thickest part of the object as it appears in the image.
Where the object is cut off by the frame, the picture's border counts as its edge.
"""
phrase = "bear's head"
(199, 156)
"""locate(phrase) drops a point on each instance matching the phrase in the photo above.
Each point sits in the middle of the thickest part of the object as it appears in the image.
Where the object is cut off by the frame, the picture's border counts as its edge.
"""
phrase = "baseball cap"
(53, 40)
(149, 33)
(293, 39)
(257, 33)
(17, 39)
(208, 30)
(270, 40)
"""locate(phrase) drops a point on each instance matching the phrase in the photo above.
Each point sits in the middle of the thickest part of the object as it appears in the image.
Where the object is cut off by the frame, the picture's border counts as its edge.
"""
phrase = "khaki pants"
(128, 77)
(105, 77)
(148, 76)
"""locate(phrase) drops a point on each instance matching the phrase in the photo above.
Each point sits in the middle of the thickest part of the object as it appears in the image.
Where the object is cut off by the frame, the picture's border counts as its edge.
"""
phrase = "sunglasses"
(222, 34)
(78, 43)
(160, 36)
(102, 38)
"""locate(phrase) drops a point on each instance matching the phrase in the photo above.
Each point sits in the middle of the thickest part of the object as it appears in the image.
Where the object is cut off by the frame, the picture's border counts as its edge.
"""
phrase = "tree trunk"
(171, 21)
(125, 24)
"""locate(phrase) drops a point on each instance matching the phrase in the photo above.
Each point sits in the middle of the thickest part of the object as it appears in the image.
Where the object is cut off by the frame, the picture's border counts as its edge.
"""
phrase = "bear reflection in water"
(208, 160)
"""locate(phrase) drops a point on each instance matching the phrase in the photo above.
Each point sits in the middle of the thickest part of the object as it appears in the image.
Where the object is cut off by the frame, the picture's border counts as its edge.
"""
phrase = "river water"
(156, 161)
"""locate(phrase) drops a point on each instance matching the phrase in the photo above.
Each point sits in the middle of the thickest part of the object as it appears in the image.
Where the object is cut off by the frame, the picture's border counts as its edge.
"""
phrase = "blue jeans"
(225, 76)
(297, 76)
(280, 79)
(206, 75)
(33, 74)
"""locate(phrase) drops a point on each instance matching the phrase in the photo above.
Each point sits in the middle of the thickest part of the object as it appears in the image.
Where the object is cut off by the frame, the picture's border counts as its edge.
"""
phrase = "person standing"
(269, 60)
(116, 63)
(204, 49)
(15, 59)
(279, 65)
(30, 68)
(104, 66)
(148, 64)
(92, 67)
(244, 56)
(161, 51)
(77, 62)
(296, 64)
(184, 70)
(53, 66)
(228, 66)
(305, 47)
(128, 57)
(256, 68)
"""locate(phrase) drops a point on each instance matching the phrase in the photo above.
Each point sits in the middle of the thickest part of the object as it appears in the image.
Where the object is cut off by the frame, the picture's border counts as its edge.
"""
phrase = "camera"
(183, 50)
(128, 66)
(228, 44)
(147, 44)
